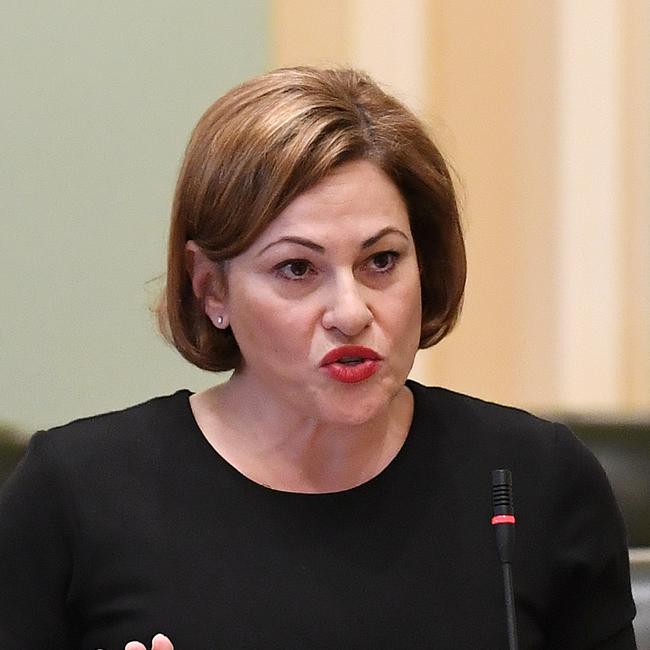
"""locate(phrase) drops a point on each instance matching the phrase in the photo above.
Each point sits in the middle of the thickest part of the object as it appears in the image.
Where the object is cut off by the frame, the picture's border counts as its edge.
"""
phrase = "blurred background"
(542, 108)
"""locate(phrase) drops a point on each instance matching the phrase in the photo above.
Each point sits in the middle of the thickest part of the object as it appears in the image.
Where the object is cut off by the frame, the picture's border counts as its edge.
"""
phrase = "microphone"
(503, 520)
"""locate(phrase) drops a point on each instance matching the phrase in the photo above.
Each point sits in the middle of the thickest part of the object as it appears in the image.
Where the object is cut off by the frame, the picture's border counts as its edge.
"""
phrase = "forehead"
(357, 198)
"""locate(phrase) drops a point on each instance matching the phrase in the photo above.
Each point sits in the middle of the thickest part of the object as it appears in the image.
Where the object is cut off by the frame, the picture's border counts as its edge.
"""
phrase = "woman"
(317, 499)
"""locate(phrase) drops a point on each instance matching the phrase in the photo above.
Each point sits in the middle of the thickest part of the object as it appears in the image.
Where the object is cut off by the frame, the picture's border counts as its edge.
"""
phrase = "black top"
(119, 526)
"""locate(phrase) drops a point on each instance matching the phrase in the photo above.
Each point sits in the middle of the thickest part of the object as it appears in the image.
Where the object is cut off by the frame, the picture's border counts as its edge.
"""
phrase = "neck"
(274, 445)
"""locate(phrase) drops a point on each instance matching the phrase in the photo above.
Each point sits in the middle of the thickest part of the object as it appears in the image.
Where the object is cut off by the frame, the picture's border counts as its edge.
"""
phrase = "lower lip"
(349, 374)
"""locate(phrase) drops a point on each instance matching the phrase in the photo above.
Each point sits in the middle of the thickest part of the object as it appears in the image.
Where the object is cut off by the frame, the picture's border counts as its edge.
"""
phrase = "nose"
(347, 309)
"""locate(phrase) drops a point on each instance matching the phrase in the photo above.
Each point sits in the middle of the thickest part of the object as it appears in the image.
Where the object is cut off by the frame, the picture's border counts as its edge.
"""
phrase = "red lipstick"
(351, 364)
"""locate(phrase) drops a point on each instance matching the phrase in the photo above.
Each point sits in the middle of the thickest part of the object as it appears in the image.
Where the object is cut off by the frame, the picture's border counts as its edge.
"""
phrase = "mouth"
(351, 361)
(351, 364)
(350, 355)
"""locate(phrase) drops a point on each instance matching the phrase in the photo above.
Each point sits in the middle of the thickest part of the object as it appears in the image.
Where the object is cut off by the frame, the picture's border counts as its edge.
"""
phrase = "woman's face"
(326, 304)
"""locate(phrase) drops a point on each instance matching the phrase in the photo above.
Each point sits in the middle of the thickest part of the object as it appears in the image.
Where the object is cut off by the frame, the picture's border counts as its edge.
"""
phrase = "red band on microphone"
(503, 519)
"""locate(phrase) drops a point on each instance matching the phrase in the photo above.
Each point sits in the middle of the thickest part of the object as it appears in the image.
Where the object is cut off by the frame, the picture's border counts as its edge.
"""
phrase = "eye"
(294, 269)
(383, 262)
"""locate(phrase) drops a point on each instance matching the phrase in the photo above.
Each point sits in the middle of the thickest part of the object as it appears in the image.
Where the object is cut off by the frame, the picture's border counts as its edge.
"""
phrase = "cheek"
(407, 329)
(268, 327)
(404, 309)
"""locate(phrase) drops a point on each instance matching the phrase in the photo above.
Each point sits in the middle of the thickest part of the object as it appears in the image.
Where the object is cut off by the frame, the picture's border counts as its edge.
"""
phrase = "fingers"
(159, 642)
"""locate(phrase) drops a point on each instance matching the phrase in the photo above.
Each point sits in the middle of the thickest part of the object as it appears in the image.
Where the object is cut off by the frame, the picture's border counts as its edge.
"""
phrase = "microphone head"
(502, 503)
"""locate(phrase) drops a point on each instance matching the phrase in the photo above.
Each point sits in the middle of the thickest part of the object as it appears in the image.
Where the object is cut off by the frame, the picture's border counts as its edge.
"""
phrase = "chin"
(358, 407)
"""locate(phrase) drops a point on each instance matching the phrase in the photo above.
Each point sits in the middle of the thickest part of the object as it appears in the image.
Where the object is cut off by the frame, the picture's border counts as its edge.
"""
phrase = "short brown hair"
(271, 138)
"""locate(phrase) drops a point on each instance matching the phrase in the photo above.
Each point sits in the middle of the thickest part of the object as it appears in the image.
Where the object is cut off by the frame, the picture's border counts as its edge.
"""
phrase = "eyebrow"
(308, 243)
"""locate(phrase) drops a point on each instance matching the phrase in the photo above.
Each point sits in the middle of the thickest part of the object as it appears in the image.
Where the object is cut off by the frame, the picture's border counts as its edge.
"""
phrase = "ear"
(208, 284)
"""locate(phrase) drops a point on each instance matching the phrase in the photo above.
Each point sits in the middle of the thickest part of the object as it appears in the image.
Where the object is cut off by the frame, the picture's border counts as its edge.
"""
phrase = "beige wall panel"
(390, 45)
(497, 98)
(591, 226)
(538, 106)
(385, 38)
(636, 203)
(480, 95)
(310, 32)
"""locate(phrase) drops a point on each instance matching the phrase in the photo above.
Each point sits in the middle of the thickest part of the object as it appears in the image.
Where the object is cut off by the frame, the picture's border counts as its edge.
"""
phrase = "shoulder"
(152, 413)
(569, 528)
(544, 455)
(552, 467)
(447, 402)
(116, 434)
(464, 415)
(79, 468)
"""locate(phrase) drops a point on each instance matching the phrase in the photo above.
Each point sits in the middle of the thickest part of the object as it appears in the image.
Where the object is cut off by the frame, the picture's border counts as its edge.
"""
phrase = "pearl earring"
(219, 321)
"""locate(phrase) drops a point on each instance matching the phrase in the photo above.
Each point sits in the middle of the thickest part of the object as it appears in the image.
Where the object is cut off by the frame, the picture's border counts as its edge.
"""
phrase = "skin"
(159, 642)
(337, 267)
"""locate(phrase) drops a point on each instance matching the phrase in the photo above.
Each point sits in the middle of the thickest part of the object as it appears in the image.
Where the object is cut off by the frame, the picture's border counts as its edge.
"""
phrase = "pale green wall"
(98, 100)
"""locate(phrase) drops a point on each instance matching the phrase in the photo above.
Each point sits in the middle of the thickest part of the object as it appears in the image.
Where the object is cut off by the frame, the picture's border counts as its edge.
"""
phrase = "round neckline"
(377, 479)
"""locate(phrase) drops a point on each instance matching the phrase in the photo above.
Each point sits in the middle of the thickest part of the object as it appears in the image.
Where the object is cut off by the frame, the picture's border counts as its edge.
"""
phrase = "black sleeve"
(593, 606)
(36, 532)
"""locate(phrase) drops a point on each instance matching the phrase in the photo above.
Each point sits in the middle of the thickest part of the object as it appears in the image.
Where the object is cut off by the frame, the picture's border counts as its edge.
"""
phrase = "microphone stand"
(503, 521)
